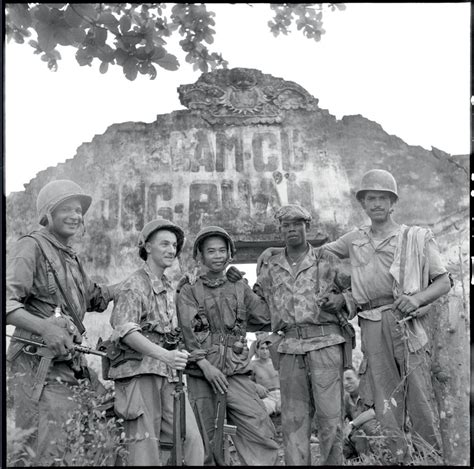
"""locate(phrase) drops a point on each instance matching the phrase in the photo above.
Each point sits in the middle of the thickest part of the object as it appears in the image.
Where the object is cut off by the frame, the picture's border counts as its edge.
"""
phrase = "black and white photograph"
(236, 234)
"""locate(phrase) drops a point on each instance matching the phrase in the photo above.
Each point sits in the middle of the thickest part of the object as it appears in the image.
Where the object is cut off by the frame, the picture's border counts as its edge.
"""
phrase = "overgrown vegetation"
(92, 436)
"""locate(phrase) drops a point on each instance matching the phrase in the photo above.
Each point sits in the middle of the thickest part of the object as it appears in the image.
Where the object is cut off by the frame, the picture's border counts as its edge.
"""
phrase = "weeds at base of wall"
(90, 437)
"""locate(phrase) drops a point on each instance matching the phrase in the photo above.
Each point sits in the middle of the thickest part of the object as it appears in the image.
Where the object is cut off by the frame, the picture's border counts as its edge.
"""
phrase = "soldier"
(48, 293)
(360, 416)
(214, 315)
(266, 377)
(303, 288)
(396, 269)
(144, 320)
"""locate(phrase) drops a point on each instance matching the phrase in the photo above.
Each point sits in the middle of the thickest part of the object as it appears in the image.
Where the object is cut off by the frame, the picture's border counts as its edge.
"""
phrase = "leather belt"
(376, 302)
(312, 330)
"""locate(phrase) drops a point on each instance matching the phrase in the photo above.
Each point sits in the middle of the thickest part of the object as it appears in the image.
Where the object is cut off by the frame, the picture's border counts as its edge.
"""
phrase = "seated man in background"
(359, 417)
(266, 377)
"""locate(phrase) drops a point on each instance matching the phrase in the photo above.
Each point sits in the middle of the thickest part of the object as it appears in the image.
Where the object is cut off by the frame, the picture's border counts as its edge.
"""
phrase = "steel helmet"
(377, 180)
(212, 231)
(155, 225)
(55, 192)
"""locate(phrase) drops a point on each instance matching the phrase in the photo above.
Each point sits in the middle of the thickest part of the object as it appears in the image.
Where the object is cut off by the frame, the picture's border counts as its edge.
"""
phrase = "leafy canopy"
(133, 36)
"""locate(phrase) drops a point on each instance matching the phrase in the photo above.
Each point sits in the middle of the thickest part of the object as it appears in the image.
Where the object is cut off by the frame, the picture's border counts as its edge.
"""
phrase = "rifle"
(45, 351)
(220, 427)
(179, 416)
(416, 314)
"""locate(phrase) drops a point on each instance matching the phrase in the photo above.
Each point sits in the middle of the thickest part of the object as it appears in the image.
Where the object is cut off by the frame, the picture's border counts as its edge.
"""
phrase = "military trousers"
(315, 392)
(44, 418)
(399, 383)
(255, 438)
(145, 402)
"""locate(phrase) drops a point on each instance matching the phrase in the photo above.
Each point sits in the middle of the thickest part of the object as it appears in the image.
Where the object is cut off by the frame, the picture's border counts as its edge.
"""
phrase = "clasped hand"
(407, 304)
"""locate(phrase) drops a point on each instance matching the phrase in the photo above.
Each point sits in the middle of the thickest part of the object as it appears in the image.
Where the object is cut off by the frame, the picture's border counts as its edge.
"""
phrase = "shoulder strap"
(240, 293)
(72, 312)
(403, 259)
(198, 291)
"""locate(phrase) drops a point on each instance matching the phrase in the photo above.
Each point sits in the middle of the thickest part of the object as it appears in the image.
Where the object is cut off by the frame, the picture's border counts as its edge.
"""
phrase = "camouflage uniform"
(223, 314)
(31, 285)
(311, 358)
(144, 388)
(390, 357)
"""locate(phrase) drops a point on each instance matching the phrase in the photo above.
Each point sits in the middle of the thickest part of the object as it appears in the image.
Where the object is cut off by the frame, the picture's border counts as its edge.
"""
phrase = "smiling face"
(377, 205)
(293, 231)
(215, 253)
(66, 219)
(161, 248)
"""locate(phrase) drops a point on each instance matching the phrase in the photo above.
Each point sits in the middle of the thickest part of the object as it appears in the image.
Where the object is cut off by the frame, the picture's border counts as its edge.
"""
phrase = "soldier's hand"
(188, 277)
(347, 431)
(406, 304)
(216, 378)
(262, 391)
(177, 359)
(233, 274)
(58, 339)
(265, 256)
(334, 303)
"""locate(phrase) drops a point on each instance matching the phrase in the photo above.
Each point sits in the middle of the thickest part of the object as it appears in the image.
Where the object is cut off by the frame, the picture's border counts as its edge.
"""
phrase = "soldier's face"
(67, 218)
(161, 248)
(214, 253)
(263, 351)
(377, 205)
(351, 381)
(293, 231)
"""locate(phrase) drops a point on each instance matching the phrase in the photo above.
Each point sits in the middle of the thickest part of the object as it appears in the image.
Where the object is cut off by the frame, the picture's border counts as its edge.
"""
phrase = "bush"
(93, 436)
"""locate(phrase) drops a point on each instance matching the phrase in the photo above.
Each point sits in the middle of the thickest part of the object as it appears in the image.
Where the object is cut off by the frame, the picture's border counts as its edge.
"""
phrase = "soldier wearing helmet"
(48, 293)
(144, 320)
(387, 259)
(214, 315)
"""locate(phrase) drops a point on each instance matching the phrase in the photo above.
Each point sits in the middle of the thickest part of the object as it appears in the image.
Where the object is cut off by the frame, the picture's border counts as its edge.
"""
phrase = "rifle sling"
(77, 321)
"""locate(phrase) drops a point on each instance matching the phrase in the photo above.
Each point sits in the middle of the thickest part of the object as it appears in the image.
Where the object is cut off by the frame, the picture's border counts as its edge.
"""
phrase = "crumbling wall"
(248, 143)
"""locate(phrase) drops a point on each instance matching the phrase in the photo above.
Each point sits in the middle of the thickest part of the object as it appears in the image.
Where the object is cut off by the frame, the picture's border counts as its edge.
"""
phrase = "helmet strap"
(49, 217)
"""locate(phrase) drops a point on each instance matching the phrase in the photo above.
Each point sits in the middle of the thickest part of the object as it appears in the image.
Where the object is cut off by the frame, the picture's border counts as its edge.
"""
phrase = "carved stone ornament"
(244, 96)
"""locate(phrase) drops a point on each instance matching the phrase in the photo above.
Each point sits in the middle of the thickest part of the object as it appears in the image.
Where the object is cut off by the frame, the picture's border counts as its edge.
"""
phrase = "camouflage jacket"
(294, 298)
(144, 301)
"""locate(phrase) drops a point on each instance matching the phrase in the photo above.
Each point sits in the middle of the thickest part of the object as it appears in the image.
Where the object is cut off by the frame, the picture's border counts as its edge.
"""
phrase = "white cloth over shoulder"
(410, 271)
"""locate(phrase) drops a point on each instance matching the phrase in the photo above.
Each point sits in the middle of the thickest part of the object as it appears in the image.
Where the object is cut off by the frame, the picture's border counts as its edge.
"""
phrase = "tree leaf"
(46, 39)
(125, 24)
(19, 15)
(104, 66)
(88, 10)
(130, 68)
(168, 62)
(72, 18)
(109, 20)
(100, 36)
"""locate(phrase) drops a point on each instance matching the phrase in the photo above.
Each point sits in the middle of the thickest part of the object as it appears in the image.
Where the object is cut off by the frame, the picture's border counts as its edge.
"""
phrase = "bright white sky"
(405, 66)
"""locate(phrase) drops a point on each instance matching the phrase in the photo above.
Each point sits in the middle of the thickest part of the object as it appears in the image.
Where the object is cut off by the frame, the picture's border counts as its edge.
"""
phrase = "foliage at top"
(134, 36)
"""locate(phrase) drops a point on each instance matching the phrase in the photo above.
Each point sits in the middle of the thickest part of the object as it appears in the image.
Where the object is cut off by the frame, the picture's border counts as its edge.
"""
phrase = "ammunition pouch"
(117, 353)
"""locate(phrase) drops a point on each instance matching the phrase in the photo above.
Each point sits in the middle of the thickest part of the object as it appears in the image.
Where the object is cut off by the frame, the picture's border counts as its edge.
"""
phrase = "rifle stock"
(179, 423)
(179, 414)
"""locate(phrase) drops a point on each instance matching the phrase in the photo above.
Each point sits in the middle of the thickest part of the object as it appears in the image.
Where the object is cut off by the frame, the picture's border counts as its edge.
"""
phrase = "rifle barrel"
(77, 348)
